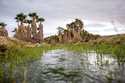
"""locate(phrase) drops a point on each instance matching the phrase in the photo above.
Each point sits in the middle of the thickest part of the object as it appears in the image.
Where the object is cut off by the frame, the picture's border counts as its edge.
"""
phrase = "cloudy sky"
(97, 15)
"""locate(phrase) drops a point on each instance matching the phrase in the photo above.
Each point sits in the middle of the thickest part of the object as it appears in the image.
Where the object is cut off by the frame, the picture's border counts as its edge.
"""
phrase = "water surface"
(61, 66)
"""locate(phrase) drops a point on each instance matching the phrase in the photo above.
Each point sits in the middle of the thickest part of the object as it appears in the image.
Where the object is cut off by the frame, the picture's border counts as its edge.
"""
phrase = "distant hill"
(113, 39)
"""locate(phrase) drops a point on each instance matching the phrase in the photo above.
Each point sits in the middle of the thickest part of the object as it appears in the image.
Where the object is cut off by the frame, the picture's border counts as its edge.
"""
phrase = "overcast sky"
(96, 14)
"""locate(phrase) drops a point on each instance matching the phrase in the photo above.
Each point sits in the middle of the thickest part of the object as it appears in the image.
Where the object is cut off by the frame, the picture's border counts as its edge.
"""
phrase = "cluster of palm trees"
(72, 32)
(29, 28)
(3, 31)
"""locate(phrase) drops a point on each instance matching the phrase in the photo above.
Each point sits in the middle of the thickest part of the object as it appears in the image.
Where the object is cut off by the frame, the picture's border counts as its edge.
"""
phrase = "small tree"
(60, 30)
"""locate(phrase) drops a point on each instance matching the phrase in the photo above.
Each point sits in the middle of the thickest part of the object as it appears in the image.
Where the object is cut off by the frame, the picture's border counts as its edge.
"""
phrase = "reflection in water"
(60, 66)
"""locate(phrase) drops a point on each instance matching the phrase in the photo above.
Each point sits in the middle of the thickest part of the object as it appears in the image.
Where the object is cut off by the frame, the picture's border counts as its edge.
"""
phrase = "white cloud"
(96, 13)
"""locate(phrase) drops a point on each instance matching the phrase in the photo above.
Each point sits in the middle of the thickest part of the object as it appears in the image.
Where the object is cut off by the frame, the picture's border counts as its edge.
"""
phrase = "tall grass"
(116, 50)
(19, 55)
(15, 55)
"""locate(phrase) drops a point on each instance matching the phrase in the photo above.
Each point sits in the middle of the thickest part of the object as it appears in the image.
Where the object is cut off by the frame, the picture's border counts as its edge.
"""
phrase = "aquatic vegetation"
(115, 50)
(14, 56)
(19, 55)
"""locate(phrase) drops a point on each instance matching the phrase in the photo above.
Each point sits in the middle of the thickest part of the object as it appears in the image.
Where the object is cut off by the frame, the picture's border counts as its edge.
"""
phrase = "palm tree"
(28, 29)
(79, 26)
(79, 23)
(17, 20)
(65, 36)
(2, 24)
(60, 30)
(34, 17)
(69, 32)
(27, 21)
(40, 29)
(60, 33)
(14, 30)
(20, 18)
(40, 20)
(3, 31)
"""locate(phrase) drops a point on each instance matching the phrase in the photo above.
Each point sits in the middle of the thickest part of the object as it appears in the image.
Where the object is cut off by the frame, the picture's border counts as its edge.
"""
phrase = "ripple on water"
(61, 66)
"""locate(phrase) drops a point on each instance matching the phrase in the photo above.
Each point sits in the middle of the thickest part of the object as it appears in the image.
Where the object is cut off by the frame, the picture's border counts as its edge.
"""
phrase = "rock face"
(3, 32)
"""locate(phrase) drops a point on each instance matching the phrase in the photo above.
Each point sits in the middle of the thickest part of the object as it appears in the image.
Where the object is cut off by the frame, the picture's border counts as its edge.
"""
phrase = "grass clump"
(117, 50)
(21, 54)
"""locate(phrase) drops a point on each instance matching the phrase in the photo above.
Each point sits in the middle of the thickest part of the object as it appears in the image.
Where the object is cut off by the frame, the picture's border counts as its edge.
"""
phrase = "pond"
(62, 66)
